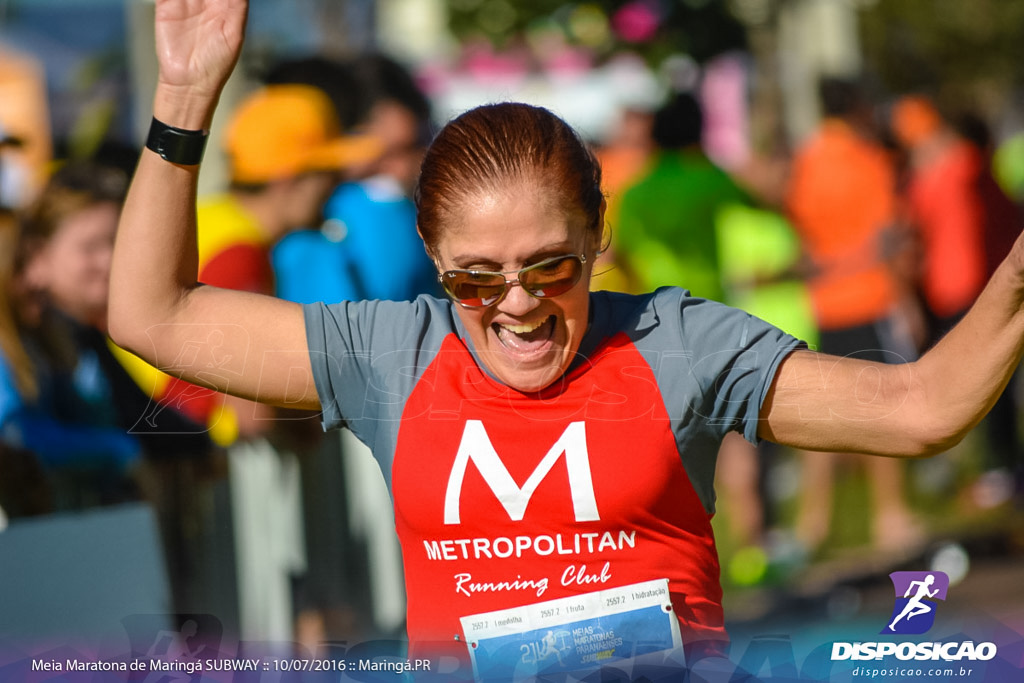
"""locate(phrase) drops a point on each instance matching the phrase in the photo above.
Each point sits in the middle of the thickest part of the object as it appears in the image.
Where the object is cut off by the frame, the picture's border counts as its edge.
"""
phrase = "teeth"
(524, 328)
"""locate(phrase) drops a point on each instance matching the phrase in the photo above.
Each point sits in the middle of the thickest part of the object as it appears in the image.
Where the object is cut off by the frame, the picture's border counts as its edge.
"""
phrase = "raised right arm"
(240, 343)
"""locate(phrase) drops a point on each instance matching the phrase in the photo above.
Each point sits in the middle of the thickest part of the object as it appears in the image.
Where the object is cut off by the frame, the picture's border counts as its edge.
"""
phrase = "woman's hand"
(197, 44)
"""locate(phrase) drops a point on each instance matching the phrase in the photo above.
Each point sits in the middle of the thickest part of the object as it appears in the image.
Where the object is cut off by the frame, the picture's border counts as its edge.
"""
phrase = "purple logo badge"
(916, 593)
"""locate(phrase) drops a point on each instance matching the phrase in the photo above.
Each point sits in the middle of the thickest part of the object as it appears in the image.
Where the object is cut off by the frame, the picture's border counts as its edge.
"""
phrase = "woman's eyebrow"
(475, 262)
(486, 262)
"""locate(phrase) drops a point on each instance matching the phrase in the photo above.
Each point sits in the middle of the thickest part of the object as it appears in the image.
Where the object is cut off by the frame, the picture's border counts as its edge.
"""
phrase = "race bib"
(574, 633)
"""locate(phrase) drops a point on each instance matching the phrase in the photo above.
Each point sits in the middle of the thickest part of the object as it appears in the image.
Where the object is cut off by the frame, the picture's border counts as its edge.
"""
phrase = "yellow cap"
(281, 131)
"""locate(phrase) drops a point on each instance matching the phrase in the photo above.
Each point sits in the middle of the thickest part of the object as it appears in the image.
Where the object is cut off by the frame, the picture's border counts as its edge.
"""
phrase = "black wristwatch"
(177, 145)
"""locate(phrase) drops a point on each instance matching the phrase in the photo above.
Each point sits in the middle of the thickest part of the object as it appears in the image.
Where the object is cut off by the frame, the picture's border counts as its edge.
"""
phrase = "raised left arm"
(825, 403)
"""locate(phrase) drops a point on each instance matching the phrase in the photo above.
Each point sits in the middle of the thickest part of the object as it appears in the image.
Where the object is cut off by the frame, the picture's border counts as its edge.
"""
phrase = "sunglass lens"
(552, 278)
(474, 289)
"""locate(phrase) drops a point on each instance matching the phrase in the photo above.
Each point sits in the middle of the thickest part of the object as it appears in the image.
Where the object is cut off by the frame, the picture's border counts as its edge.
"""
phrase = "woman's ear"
(602, 243)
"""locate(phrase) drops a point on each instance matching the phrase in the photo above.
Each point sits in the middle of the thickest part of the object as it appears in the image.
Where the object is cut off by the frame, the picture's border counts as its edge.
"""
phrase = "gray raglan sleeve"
(367, 355)
(733, 357)
(713, 365)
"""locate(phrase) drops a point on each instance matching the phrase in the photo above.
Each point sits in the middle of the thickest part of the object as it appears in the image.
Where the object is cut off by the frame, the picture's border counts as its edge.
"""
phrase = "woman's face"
(74, 266)
(525, 342)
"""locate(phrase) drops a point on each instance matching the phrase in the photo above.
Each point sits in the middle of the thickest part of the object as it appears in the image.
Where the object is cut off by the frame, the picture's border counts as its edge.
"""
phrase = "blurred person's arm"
(54, 441)
(60, 444)
(245, 344)
(824, 403)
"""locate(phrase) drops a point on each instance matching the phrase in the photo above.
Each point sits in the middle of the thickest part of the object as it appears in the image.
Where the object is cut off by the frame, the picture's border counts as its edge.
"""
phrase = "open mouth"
(526, 338)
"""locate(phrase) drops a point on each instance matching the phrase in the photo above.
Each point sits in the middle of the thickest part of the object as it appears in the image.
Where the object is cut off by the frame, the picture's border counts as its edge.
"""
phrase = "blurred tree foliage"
(966, 54)
(699, 28)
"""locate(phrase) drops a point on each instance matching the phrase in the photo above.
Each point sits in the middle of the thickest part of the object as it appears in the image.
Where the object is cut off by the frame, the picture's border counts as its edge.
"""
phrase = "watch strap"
(176, 145)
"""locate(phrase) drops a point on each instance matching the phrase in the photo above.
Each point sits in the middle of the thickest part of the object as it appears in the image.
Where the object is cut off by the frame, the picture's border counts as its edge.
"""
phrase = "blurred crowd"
(870, 238)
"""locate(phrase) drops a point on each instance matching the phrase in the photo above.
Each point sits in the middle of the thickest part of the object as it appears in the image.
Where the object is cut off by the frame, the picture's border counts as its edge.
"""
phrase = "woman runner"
(542, 443)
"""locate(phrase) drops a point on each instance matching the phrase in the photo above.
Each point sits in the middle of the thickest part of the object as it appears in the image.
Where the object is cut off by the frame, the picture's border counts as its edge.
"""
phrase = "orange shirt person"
(947, 208)
(842, 201)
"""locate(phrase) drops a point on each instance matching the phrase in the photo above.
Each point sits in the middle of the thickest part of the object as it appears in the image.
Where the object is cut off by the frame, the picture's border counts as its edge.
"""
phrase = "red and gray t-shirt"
(603, 479)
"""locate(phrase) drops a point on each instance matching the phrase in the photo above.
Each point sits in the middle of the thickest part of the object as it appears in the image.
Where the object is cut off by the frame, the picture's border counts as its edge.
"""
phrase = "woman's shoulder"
(663, 301)
(668, 316)
(420, 319)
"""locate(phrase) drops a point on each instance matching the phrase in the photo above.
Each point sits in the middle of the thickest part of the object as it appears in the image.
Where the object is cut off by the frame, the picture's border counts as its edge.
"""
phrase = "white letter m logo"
(476, 446)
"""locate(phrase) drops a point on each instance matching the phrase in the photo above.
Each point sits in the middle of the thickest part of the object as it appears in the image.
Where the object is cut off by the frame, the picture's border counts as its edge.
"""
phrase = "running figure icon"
(916, 606)
(919, 592)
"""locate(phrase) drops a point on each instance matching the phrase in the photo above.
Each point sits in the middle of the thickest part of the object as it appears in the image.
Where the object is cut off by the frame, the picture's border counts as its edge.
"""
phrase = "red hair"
(491, 147)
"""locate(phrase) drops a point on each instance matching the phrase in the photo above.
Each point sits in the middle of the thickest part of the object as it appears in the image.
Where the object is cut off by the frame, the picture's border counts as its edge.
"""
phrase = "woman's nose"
(517, 301)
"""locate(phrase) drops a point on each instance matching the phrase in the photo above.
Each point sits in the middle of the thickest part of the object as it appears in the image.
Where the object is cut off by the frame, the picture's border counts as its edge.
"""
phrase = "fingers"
(198, 43)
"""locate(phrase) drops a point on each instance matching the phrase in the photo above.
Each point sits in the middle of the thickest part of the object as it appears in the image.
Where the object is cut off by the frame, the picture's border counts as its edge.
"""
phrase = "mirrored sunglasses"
(481, 288)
